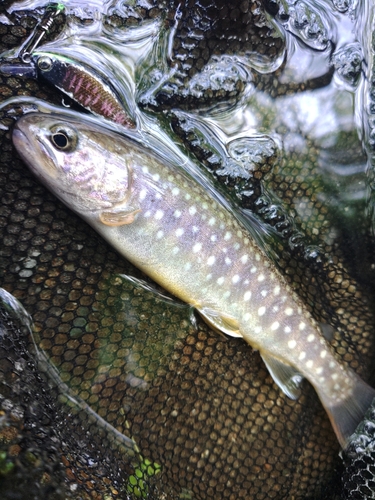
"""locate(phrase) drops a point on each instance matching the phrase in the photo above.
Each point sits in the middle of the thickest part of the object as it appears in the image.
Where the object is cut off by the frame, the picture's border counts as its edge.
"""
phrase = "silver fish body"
(166, 223)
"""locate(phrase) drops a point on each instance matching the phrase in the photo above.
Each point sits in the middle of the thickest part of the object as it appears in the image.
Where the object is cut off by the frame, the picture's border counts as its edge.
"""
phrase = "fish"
(183, 235)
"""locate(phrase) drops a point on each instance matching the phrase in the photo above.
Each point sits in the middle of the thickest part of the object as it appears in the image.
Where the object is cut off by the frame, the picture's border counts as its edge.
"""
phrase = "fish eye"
(60, 140)
(63, 138)
(44, 63)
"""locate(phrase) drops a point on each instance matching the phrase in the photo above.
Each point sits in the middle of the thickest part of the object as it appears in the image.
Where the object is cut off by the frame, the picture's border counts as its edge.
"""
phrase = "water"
(284, 139)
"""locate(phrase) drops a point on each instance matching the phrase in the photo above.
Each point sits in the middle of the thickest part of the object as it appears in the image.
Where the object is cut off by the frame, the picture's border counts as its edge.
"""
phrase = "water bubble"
(251, 151)
(348, 62)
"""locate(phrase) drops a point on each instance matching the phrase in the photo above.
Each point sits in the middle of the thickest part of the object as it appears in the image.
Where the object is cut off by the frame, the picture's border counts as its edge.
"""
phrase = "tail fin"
(347, 415)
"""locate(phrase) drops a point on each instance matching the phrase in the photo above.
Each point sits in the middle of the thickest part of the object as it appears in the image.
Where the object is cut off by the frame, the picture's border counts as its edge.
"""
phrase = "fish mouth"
(19, 137)
(22, 143)
(32, 150)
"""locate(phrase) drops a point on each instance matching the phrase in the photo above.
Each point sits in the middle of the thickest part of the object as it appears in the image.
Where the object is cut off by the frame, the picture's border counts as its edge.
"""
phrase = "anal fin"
(285, 376)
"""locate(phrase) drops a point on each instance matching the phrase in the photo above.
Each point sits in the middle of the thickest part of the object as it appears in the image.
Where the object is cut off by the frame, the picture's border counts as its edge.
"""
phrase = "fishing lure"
(84, 85)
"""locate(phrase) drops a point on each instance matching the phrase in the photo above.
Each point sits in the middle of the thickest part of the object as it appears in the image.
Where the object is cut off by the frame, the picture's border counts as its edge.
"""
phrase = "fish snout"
(27, 137)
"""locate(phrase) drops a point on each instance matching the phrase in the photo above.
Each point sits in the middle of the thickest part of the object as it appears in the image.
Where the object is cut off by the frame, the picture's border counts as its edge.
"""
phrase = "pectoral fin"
(222, 323)
(118, 217)
(285, 376)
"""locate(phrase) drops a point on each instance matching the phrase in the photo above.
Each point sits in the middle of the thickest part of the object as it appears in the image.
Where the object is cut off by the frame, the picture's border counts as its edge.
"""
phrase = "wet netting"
(110, 388)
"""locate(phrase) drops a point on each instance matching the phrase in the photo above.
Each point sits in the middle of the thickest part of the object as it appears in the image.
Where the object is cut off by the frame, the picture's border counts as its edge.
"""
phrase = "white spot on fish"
(220, 280)
(258, 329)
(226, 294)
(159, 235)
(235, 278)
(287, 329)
(187, 196)
(276, 290)
(213, 237)
(177, 214)
(197, 247)
(244, 259)
(247, 295)
(211, 260)
(253, 270)
(334, 376)
(156, 177)
(288, 311)
(187, 266)
(228, 261)
(195, 229)
(257, 257)
(302, 326)
(212, 221)
(261, 277)
(204, 205)
(143, 194)
(261, 311)
(275, 309)
(175, 250)
(192, 210)
(311, 337)
(275, 326)
(309, 363)
(175, 191)
(179, 231)
(208, 276)
(159, 214)
(292, 344)
(247, 316)
(302, 355)
(323, 354)
(319, 370)
(227, 236)
(264, 293)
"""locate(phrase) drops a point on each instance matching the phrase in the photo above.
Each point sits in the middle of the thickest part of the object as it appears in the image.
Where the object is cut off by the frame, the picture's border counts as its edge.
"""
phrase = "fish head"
(77, 162)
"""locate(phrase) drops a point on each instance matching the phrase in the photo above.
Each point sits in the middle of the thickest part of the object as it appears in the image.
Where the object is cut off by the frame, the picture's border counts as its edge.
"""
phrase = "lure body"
(84, 85)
